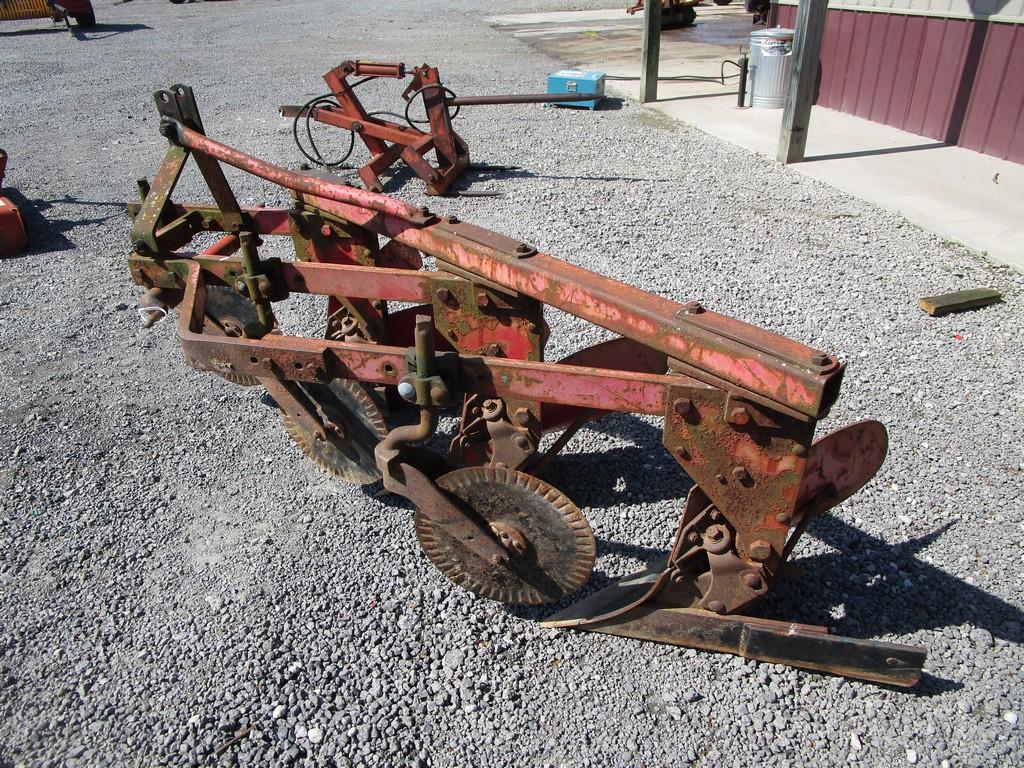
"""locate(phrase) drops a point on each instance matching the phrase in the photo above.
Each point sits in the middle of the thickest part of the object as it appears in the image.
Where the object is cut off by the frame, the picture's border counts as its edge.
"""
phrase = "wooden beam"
(936, 306)
(651, 51)
(796, 115)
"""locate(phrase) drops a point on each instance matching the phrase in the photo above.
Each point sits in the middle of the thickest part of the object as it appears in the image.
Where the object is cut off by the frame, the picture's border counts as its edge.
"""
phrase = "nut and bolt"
(325, 230)
(692, 308)
(752, 580)
(523, 248)
(357, 127)
(740, 474)
(799, 450)
(241, 287)
(721, 478)
(692, 537)
(785, 518)
(423, 210)
(716, 606)
(682, 406)
(760, 550)
(482, 299)
(443, 295)
(818, 358)
(523, 444)
(714, 533)
(451, 220)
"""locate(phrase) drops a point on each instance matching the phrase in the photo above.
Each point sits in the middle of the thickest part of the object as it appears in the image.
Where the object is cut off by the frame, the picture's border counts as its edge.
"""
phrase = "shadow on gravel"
(877, 588)
(640, 473)
(43, 234)
(103, 31)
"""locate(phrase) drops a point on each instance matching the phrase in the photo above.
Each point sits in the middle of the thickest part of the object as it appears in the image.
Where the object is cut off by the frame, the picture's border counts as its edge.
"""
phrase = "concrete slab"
(961, 195)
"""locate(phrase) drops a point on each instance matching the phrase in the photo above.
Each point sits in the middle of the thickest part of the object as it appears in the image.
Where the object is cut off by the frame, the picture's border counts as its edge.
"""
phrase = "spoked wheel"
(228, 313)
(550, 544)
(354, 427)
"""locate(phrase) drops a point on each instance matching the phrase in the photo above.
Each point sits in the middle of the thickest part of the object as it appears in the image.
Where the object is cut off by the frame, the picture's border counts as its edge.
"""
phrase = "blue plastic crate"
(577, 81)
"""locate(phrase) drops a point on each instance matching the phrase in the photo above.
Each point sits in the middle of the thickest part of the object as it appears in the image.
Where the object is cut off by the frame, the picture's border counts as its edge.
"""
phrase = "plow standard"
(739, 403)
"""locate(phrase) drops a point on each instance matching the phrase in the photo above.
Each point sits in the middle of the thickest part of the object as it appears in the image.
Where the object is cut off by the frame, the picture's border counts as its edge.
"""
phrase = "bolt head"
(716, 606)
(523, 248)
(241, 287)
(784, 518)
(406, 390)
(482, 299)
(443, 294)
(760, 550)
(682, 406)
(692, 308)
(819, 358)
(752, 580)
(721, 478)
(740, 474)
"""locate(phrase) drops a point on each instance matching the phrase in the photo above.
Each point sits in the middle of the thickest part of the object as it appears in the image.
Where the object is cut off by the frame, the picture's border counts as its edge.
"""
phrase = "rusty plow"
(739, 403)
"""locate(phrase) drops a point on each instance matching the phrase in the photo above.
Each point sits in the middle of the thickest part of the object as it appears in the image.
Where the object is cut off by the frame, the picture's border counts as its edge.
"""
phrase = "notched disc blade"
(349, 405)
(560, 546)
(228, 313)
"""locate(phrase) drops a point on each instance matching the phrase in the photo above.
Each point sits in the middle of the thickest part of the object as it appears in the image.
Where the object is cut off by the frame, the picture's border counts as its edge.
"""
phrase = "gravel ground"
(173, 572)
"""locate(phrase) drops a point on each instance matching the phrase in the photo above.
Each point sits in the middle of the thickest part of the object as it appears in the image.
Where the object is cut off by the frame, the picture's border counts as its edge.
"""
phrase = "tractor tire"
(678, 17)
(86, 20)
(721, 2)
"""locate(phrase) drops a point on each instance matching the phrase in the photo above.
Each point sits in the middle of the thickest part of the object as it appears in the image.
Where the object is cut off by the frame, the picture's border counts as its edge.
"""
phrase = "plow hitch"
(739, 404)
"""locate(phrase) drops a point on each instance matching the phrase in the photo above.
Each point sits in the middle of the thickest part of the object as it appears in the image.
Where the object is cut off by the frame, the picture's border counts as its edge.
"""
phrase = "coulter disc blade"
(348, 455)
(556, 545)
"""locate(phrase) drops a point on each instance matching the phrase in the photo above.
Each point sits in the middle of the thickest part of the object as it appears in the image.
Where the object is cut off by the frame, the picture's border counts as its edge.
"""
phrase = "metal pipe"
(742, 92)
(311, 185)
(521, 98)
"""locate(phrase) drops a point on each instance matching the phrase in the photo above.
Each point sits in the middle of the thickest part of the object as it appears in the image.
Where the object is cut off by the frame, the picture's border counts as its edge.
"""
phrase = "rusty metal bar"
(520, 98)
(303, 359)
(310, 185)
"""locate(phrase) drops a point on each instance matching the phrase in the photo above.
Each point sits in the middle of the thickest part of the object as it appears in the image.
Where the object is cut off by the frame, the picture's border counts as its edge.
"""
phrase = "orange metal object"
(12, 229)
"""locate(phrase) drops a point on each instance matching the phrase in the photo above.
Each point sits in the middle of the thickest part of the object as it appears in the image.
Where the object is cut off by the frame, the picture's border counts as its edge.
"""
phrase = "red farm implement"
(411, 140)
(12, 228)
(739, 404)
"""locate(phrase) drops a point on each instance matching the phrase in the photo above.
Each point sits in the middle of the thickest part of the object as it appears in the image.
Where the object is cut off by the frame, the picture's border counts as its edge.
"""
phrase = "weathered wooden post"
(651, 51)
(796, 115)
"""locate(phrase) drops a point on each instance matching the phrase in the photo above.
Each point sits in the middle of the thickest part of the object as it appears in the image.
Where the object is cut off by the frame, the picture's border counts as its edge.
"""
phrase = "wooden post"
(651, 51)
(796, 115)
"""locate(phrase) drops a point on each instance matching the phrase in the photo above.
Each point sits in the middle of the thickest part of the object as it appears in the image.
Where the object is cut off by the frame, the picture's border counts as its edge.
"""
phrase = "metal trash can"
(771, 61)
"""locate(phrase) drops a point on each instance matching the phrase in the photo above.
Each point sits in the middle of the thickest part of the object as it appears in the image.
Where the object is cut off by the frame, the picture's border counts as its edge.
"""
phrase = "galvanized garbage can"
(771, 61)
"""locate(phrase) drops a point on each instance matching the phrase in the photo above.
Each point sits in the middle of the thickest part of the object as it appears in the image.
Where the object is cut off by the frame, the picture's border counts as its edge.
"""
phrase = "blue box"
(577, 81)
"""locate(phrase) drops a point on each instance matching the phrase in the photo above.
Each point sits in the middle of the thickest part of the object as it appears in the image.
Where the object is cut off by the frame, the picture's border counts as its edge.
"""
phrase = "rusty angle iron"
(739, 403)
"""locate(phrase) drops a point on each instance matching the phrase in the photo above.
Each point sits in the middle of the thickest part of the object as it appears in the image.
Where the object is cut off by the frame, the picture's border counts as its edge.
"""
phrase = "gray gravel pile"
(179, 586)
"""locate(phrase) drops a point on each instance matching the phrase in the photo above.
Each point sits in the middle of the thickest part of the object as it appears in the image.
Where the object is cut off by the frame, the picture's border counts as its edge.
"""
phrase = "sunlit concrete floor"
(961, 195)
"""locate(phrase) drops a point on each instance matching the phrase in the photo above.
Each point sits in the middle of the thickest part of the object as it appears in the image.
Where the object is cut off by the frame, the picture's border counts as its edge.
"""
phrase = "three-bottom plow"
(739, 403)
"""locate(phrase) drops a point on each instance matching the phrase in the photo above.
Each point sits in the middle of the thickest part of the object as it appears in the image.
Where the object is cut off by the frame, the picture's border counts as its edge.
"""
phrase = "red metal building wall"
(955, 80)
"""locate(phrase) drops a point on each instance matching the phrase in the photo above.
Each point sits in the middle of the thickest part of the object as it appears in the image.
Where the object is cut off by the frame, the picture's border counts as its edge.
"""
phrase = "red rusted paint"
(755, 359)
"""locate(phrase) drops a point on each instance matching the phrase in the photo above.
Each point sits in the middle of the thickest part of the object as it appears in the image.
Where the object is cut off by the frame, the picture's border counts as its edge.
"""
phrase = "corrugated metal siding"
(948, 79)
(1010, 11)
